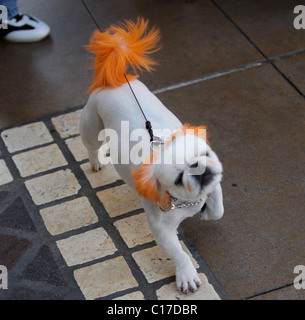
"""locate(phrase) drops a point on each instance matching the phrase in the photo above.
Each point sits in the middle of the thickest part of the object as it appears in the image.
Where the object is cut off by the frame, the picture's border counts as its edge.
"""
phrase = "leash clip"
(156, 142)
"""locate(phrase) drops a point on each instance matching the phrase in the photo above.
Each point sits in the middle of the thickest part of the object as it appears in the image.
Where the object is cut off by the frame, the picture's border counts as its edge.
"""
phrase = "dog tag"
(170, 206)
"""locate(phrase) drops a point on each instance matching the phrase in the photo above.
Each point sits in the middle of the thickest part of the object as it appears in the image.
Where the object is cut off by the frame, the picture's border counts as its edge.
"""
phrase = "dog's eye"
(179, 178)
(207, 154)
(194, 165)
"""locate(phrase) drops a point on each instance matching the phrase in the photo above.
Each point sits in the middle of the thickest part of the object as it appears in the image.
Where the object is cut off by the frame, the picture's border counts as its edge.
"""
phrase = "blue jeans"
(11, 6)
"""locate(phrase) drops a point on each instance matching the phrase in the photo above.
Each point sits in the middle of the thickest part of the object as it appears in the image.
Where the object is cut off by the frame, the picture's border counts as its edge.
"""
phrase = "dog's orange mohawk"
(121, 46)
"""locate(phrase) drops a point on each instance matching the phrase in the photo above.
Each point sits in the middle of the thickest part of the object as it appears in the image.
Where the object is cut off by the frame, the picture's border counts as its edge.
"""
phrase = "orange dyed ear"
(148, 186)
(145, 183)
(199, 131)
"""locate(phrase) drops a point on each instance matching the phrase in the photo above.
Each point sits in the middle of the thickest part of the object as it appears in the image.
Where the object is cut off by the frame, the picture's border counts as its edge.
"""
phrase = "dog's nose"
(204, 178)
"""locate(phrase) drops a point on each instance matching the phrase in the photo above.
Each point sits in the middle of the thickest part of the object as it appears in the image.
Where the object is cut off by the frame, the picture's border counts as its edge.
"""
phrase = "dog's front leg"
(214, 205)
(164, 226)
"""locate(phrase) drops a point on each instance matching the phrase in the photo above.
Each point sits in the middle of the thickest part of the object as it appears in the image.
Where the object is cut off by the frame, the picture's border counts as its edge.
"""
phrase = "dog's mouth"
(207, 181)
(205, 178)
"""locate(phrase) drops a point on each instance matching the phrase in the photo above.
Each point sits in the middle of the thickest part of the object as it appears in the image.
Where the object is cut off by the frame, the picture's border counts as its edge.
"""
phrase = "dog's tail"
(119, 47)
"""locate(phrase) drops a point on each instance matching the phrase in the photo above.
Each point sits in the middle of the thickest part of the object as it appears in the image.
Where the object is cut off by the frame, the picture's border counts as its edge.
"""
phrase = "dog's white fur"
(106, 109)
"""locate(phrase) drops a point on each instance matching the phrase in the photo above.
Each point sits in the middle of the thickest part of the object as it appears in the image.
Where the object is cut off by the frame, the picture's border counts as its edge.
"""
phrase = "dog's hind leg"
(91, 125)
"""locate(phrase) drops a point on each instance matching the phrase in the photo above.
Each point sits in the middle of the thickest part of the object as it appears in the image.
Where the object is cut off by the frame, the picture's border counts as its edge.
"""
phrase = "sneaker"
(24, 28)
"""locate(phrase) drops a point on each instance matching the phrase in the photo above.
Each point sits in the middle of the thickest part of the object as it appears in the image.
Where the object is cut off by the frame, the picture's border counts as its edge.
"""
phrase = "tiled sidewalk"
(71, 233)
(235, 66)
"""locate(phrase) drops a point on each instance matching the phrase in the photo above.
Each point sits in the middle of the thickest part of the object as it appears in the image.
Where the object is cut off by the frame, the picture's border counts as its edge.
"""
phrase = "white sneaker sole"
(40, 31)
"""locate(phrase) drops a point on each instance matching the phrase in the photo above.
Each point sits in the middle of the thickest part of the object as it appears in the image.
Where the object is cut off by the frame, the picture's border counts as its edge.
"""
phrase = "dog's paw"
(94, 161)
(207, 214)
(187, 279)
(204, 213)
(96, 166)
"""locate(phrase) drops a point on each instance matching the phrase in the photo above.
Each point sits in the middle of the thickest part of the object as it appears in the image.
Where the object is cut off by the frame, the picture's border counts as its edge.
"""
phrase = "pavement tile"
(205, 291)
(12, 249)
(16, 216)
(293, 68)
(86, 246)
(155, 264)
(119, 200)
(26, 136)
(134, 230)
(52, 186)
(105, 176)
(68, 216)
(25, 293)
(5, 175)
(104, 278)
(67, 124)
(39, 160)
(269, 24)
(137, 295)
(77, 148)
(3, 195)
(43, 268)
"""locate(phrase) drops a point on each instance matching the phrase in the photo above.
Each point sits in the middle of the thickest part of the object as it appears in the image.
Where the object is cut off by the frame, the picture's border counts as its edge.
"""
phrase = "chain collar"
(185, 204)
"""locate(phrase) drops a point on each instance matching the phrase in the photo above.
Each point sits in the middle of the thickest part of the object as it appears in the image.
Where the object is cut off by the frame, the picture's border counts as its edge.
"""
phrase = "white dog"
(169, 187)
